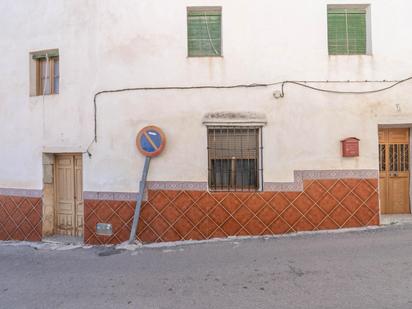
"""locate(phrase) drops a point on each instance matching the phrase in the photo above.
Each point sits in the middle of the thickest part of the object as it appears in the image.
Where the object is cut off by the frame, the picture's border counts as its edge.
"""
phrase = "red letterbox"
(350, 147)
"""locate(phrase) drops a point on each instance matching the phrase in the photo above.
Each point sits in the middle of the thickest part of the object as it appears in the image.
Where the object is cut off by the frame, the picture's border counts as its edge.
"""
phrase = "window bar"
(249, 150)
(380, 157)
(209, 158)
(213, 163)
(250, 131)
(217, 165)
(405, 163)
(257, 156)
(234, 159)
(261, 158)
(404, 157)
(233, 172)
(239, 159)
(395, 157)
(254, 151)
(401, 158)
(223, 154)
(405, 147)
(249, 160)
(242, 156)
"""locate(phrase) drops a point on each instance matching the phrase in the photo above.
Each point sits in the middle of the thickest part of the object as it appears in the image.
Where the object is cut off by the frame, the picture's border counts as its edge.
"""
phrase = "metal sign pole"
(142, 188)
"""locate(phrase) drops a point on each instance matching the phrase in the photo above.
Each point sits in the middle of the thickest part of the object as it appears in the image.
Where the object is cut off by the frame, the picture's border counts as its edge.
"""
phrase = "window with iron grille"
(204, 35)
(347, 30)
(234, 158)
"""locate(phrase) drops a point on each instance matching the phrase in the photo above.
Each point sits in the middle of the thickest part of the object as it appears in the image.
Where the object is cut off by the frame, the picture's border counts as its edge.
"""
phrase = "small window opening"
(47, 72)
(204, 31)
(348, 30)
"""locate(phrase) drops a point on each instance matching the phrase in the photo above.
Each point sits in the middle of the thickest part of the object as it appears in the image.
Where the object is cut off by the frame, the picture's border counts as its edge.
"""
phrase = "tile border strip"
(110, 196)
(300, 176)
(296, 186)
(177, 185)
(21, 192)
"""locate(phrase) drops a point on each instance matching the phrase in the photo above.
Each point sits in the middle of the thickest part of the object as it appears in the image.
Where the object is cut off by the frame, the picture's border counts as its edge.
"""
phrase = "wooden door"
(69, 195)
(394, 170)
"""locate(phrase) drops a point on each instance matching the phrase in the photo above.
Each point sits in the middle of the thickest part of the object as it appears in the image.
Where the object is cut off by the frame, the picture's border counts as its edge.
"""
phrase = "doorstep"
(396, 219)
(64, 239)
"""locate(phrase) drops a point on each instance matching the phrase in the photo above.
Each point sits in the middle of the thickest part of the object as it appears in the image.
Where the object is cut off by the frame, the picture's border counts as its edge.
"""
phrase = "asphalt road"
(367, 269)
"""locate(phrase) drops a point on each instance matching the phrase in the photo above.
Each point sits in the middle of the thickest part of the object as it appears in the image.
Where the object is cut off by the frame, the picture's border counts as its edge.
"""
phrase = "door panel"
(78, 194)
(394, 170)
(65, 195)
(398, 136)
(398, 195)
(69, 195)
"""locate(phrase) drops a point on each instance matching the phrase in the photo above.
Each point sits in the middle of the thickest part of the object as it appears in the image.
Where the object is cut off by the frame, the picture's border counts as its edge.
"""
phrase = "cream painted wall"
(110, 44)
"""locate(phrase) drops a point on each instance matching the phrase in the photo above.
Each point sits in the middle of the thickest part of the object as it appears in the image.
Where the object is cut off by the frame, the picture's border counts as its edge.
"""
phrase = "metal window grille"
(398, 157)
(382, 157)
(234, 158)
(347, 31)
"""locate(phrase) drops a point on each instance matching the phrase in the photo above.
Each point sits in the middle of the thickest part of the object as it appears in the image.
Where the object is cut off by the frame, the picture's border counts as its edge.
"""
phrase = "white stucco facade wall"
(109, 44)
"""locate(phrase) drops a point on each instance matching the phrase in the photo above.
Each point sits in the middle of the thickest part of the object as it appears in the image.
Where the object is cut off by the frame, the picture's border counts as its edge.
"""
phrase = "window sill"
(41, 95)
(233, 190)
(351, 55)
(195, 57)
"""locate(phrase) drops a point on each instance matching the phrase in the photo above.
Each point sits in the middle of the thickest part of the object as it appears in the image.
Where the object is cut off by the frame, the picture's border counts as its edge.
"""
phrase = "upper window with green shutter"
(204, 31)
(348, 30)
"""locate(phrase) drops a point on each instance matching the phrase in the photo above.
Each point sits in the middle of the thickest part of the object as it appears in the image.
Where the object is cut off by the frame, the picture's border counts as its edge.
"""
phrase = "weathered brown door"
(69, 195)
(394, 170)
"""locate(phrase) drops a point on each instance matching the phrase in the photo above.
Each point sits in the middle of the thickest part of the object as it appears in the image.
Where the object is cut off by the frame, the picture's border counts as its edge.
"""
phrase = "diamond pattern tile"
(20, 218)
(185, 215)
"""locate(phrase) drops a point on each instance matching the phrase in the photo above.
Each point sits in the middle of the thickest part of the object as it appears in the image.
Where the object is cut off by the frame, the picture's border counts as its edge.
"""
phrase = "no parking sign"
(150, 141)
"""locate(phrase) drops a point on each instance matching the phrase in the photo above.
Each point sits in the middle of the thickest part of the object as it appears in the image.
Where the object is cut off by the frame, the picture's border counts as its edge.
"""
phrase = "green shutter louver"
(347, 31)
(204, 33)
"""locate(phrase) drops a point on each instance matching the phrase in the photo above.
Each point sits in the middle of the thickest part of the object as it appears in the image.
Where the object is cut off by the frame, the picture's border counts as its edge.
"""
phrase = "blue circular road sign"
(151, 141)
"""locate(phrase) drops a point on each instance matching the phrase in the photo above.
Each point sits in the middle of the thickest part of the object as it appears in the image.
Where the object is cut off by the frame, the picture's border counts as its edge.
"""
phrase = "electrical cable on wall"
(210, 37)
(283, 84)
(395, 83)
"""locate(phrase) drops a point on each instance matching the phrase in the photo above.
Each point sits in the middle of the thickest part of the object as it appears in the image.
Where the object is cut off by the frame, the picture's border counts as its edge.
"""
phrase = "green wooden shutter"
(347, 31)
(204, 33)
(357, 33)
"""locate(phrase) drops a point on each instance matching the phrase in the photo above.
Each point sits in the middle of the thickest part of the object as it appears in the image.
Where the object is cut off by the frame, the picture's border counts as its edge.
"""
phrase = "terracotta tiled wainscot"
(20, 218)
(171, 215)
